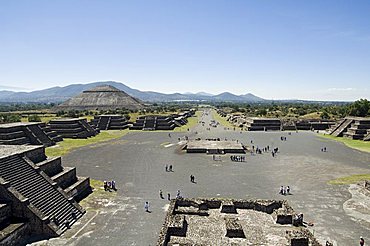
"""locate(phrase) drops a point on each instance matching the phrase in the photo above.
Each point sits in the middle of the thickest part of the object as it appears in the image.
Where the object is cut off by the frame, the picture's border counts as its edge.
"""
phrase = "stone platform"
(214, 147)
(232, 222)
(26, 133)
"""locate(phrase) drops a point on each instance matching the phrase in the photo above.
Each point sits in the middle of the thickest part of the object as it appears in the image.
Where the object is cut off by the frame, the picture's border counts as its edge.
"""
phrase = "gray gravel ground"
(137, 163)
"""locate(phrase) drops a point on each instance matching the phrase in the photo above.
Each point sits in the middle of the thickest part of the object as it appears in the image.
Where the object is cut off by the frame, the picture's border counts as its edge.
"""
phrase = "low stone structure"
(110, 122)
(359, 129)
(27, 133)
(214, 147)
(160, 122)
(353, 128)
(37, 195)
(72, 128)
(251, 222)
(263, 124)
(313, 124)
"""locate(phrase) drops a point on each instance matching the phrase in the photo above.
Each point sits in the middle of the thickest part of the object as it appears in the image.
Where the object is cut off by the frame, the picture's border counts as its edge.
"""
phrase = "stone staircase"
(103, 123)
(42, 192)
(341, 127)
(53, 135)
(40, 134)
(150, 124)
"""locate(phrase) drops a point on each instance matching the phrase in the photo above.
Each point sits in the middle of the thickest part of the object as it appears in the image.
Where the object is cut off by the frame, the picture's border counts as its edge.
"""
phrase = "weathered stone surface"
(103, 97)
(253, 224)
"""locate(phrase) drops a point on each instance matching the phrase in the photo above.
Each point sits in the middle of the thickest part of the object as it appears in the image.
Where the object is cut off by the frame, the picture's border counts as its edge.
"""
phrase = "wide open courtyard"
(137, 163)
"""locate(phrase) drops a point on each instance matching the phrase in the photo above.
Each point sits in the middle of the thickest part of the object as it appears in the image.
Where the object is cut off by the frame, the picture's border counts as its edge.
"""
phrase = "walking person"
(161, 194)
(146, 206)
(168, 196)
(362, 241)
(166, 168)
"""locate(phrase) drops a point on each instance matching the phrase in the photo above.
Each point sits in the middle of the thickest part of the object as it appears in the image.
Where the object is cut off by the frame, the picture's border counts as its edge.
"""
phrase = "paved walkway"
(137, 162)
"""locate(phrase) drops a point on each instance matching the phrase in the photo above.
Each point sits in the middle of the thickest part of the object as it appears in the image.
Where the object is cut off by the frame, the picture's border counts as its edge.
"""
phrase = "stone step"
(51, 166)
(11, 135)
(66, 177)
(16, 141)
(79, 189)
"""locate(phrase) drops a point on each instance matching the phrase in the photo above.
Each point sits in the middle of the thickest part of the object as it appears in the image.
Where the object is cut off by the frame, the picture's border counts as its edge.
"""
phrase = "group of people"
(284, 190)
(178, 195)
(323, 149)
(168, 168)
(282, 138)
(260, 150)
(109, 185)
(237, 158)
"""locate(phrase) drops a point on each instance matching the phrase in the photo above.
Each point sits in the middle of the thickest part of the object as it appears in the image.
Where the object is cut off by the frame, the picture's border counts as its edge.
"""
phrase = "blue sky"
(274, 49)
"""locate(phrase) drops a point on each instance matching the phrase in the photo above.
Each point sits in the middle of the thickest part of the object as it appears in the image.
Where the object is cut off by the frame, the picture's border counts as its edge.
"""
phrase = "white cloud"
(342, 89)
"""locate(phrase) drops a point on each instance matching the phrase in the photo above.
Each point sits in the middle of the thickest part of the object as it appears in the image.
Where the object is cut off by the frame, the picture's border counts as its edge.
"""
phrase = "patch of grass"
(355, 144)
(353, 179)
(221, 120)
(68, 144)
(192, 121)
(94, 200)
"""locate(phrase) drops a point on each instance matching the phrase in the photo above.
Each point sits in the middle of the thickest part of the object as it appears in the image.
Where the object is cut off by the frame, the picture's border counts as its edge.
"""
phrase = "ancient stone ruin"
(72, 128)
(37, 194)
(263, 124)
(232, 222)
(214, 146)
(353, 128)
(160, 122)
(110, 122)
(105, 97)
(27, 133)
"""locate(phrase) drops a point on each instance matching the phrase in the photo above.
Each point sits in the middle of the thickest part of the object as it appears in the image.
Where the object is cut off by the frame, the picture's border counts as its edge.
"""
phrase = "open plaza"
(137, 162)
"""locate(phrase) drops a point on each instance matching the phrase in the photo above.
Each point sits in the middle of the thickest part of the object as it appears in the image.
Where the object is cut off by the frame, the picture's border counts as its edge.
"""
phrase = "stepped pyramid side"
(37, 194)
(104, 97)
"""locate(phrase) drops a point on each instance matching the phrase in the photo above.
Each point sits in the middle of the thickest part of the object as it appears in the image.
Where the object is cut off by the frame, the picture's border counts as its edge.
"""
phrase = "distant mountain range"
(61, 94)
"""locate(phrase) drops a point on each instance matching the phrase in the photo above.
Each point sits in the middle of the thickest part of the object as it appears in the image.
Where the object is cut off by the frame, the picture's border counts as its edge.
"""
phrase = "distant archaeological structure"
(160, 122)
(28, 133)
(353, 128)
(72, 128)
(103, 97)
(275, 124)
(110, 122)
(233, 222)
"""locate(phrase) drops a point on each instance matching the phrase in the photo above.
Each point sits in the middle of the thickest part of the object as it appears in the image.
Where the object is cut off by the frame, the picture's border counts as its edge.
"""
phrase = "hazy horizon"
(316, 50)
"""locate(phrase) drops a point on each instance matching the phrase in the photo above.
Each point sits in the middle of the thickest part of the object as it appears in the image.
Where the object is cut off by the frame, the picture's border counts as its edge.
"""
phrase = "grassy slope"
(355, 144)
(353, 179)
(68, 144)
(221, 120)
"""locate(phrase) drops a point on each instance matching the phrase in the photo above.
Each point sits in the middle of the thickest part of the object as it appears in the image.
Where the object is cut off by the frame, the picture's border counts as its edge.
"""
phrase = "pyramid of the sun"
(102, 97)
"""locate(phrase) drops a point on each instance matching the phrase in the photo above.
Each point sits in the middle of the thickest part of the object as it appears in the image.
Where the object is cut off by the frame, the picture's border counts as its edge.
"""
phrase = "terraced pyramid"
(103, 97)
